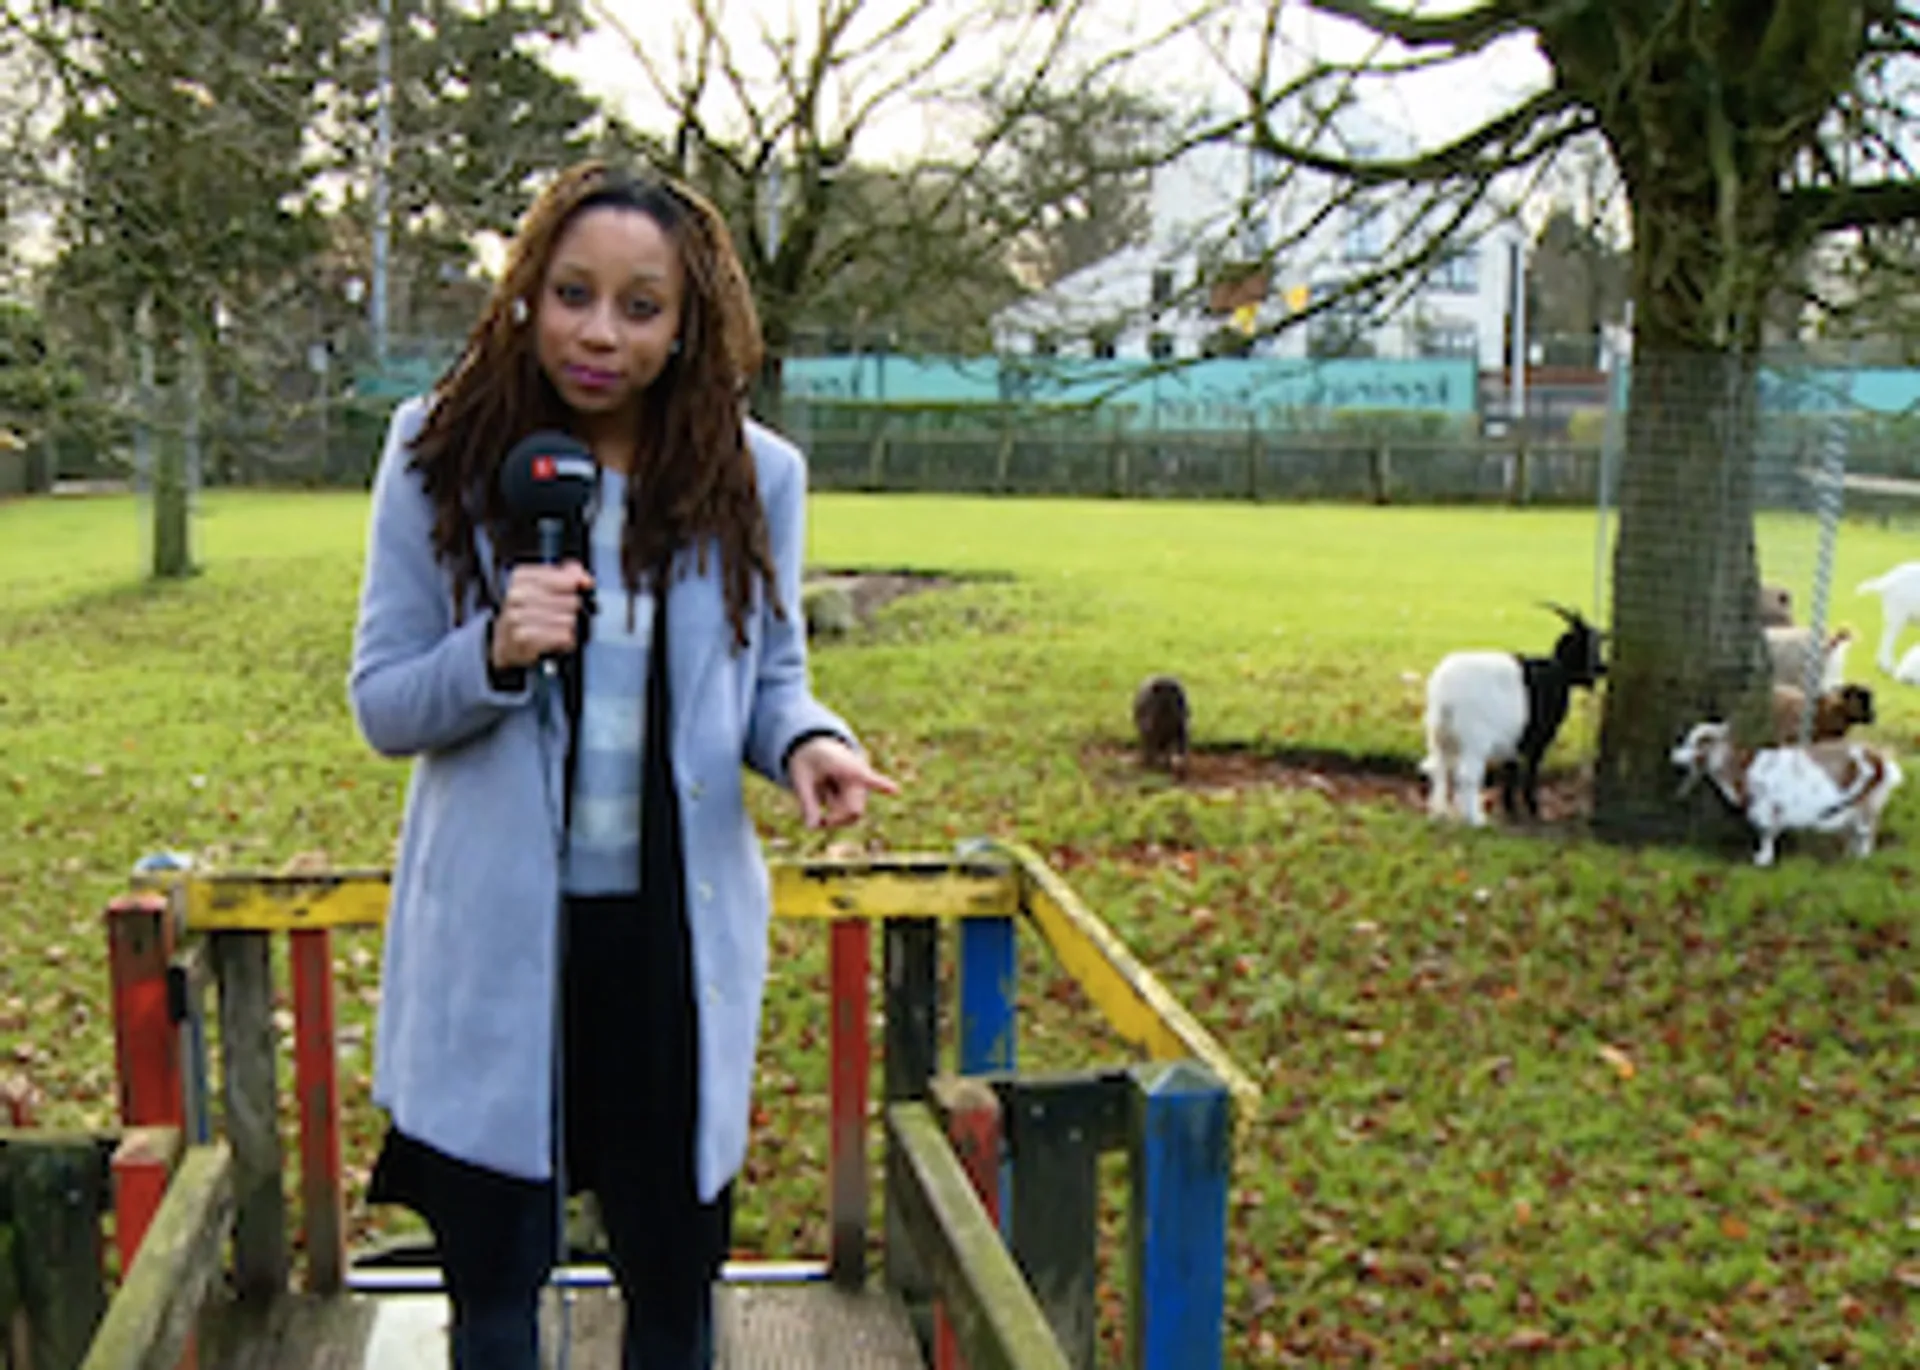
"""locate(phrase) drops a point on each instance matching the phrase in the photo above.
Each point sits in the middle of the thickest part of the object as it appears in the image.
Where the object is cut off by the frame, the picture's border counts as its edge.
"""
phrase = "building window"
(1104, 345)
(1450, 340)
(1160, 346)
(1162, 287)
(1045, 345)
(1366, 233)
(1458, 272)
(1265, 170)
(1344, 328)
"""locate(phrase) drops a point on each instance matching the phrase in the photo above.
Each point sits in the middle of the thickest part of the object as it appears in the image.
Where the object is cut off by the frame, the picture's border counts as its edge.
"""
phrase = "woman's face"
(609, 310)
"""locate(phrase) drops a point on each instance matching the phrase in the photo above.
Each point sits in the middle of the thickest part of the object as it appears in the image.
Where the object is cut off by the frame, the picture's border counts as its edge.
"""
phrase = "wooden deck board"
(760, 1327)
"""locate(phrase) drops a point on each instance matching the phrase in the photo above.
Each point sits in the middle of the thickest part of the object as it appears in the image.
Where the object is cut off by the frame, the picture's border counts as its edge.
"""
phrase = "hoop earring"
(518, 310)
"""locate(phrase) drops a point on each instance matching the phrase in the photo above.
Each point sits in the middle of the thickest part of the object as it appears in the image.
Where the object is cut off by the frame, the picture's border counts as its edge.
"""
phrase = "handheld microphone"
(548, 480)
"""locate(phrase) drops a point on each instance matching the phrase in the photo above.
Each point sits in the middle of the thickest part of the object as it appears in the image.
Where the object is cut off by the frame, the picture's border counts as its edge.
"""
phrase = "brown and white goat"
(1791, 651)
(1822, 787)
(1834, 712)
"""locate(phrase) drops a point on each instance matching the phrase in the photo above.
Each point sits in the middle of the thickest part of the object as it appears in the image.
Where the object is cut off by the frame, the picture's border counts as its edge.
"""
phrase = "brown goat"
(1160, 717)
(1834, 712)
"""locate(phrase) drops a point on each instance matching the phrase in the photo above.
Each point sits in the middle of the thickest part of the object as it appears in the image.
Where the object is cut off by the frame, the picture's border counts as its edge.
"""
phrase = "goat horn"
(1571, 616)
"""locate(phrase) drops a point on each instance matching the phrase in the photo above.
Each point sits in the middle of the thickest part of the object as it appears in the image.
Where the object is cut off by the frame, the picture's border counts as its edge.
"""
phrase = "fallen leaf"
(1621, 1062)
(1734, 1227)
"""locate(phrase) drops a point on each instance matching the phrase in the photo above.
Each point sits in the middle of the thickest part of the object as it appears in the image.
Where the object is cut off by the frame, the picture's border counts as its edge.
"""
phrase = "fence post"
(243, 962)
(142, 1164)
(1382, 471)
(877, 457)
(1055, 1221)
(912, 957)
(850, 1051)
(987, 977)
(317, 1086)
(56, 1192)
(1180, 1170)
(146, 1045)
(188, 975)
(971, 1112)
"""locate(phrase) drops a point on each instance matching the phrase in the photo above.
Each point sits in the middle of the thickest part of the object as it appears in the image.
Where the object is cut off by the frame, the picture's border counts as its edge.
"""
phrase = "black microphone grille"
(547, 475)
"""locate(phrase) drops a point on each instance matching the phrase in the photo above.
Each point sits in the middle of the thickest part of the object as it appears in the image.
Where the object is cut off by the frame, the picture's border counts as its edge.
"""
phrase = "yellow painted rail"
(994, 880)
(878, 888)
(1141, 1011)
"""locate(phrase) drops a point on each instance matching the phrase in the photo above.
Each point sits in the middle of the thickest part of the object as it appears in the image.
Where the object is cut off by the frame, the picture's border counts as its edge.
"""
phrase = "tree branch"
(1466, 31)
(1814, 210)
(1463, 157)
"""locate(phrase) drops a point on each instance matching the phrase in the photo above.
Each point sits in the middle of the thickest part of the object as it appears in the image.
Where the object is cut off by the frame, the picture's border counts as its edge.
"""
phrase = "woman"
(577, 946)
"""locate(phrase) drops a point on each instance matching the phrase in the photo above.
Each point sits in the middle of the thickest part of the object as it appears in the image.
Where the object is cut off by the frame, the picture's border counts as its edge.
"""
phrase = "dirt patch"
(872, 591)
(1344, 777)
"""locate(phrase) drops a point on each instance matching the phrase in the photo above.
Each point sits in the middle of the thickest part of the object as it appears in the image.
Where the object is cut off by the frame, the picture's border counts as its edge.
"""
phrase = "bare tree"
(1744, 134)
(784, 127)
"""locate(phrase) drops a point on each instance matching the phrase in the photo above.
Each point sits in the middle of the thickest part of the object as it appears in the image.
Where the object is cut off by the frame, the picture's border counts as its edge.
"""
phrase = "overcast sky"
(1432, 105)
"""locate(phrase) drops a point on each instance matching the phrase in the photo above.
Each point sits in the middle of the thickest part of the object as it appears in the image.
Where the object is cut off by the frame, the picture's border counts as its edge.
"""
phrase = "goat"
(1899, 591)
(1789, 649)
(1776, 606)
(1160, 717)
(1834, 711)
(1486, 706)
(1823, 787)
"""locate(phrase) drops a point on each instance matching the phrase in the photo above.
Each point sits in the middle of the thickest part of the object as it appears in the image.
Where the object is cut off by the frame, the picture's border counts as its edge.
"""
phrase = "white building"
(1239, 243)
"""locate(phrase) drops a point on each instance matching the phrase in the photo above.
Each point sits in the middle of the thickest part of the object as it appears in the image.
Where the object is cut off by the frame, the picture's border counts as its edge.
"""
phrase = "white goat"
(1823, 787)
(1899, 591)
(1486, 707)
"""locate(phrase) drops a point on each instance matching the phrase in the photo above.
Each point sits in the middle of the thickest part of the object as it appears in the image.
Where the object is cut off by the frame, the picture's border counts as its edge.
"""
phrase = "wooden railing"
(991, 1172)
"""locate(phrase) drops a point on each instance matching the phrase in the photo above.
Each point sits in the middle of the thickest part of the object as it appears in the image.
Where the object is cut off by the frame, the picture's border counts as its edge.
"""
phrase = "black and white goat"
(1486, 707)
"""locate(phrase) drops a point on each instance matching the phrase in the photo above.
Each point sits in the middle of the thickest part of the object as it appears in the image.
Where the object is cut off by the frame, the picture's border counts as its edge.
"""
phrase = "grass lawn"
(1526, 1096)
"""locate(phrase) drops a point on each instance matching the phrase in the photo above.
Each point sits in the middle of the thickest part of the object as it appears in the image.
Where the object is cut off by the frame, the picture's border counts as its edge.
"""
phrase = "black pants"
(495, 1235)
(630, 1095)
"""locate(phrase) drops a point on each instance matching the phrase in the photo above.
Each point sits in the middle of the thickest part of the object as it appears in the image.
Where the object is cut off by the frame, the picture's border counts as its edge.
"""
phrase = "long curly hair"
(692, 486)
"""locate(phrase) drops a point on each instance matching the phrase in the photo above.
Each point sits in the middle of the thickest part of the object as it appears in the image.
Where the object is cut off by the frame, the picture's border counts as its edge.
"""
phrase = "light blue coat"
(464, 1053)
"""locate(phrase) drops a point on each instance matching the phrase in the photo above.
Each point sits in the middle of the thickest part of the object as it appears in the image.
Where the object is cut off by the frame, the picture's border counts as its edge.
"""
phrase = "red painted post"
(851, 1050)
(18, 1095)
(316, 1082)
(142, 1165)
(973, 1126)
(146, 1046)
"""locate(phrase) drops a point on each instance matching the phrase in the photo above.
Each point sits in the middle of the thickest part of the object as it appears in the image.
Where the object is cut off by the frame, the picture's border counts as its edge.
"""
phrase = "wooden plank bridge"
(990, 1172)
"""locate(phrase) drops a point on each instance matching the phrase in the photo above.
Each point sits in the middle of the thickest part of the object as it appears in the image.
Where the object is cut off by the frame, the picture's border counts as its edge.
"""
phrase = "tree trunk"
(767, 401)
(175, 458)
(1686, 640)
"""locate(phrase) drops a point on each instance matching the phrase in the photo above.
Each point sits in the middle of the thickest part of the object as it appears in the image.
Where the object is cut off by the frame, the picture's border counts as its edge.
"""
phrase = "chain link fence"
(1366, 430)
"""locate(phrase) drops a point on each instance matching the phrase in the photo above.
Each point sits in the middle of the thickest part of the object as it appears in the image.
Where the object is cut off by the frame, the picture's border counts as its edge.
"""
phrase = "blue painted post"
(987, 977)
(1181, 1158)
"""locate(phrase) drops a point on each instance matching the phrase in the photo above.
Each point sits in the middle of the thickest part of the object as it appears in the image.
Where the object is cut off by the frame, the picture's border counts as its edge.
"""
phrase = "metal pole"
(382, 168)
(1517, 376)
(1830, 494)
(1610, 441)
